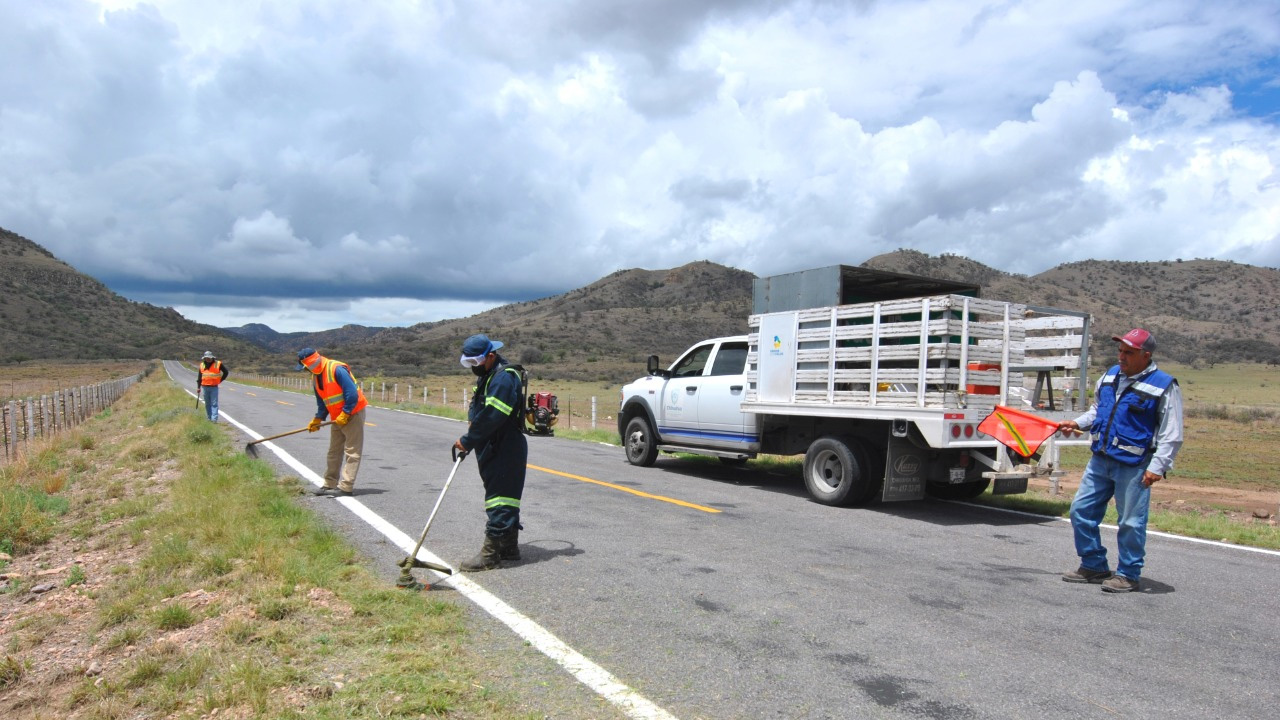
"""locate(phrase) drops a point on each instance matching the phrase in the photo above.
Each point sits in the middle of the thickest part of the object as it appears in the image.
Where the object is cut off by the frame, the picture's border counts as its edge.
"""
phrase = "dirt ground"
(1170, 494)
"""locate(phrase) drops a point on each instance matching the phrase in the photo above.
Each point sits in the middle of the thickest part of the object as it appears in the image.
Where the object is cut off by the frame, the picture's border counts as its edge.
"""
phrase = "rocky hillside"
(603, 331)
(264, 336)
(49, 310)
(1201, 310)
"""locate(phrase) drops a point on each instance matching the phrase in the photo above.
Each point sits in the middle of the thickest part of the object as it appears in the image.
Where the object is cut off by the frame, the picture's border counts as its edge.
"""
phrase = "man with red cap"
(1136, 423)
(339, 397)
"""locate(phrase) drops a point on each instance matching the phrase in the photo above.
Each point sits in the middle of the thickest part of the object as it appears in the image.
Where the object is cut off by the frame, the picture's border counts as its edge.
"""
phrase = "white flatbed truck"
(883, 397)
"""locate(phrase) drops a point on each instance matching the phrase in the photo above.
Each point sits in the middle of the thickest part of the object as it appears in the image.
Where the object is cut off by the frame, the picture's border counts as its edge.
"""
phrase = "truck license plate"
(957, 475)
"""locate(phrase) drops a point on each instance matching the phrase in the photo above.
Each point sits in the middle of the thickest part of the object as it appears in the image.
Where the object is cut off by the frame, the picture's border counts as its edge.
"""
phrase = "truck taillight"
(968, 431)
(955, 431)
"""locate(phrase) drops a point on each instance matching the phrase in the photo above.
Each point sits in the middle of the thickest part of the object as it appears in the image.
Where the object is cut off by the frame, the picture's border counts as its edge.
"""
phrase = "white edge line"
(1171, 536)
(587, 672)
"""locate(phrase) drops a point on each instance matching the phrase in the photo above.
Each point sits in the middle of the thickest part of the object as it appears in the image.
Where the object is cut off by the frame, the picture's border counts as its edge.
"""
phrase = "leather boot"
(509, 545)
(488, 559)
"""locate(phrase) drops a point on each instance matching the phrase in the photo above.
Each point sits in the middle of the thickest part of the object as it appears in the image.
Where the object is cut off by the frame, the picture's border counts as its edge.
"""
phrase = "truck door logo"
(777, 346)
(675, 399)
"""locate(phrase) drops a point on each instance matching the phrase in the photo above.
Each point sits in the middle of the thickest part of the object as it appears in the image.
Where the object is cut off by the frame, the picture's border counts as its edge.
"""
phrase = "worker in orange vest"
(209, 376)
(339, 397)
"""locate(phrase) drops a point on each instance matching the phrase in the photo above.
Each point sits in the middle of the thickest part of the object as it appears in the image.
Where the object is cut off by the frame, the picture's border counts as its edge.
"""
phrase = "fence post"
(593, 412)
(13, 427)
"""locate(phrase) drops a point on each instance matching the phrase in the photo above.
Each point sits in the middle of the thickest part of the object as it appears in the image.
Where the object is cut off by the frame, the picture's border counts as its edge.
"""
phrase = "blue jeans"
(210, 393)
(1103, 479)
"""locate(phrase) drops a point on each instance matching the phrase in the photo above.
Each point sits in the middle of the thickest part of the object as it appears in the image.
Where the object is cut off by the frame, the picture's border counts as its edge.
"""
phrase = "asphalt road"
(715, 592)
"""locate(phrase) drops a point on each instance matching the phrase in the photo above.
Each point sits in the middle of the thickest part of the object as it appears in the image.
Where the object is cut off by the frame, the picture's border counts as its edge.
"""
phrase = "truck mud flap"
(904, 471)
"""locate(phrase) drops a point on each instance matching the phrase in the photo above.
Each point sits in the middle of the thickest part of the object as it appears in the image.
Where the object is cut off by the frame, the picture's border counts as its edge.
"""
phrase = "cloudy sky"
(312, 163)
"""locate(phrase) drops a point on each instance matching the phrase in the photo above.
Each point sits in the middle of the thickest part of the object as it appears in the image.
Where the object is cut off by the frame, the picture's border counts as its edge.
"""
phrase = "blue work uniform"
(496, 434)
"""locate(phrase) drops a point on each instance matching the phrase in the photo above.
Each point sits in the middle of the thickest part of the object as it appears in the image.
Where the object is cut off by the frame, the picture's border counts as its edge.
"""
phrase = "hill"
(1203, 311)
(603, 331)
(269, 339)
(49, 310)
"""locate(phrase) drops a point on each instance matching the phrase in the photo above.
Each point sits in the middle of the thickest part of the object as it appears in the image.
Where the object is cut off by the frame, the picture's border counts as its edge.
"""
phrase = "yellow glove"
(341, 419)
(314, 425)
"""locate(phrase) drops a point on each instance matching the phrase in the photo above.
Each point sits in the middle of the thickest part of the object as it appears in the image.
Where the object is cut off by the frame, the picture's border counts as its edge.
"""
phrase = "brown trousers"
(345, 444)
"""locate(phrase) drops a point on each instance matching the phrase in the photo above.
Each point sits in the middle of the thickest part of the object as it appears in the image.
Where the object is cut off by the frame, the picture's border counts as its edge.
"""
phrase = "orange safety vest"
(330, 391)
(211, 375)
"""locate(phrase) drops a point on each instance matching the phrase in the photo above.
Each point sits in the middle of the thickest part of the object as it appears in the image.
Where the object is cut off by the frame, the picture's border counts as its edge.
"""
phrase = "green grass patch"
(219, 523)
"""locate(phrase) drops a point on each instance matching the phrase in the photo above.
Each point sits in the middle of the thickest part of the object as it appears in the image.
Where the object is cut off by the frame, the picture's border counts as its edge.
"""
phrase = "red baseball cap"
(1137, 338)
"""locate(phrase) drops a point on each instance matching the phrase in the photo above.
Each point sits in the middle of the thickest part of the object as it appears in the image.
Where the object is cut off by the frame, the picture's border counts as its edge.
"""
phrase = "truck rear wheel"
(835, 473)
(640, 443)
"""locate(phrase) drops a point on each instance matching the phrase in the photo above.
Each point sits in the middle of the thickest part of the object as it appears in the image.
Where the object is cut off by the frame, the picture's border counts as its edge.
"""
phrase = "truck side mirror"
(652, 366)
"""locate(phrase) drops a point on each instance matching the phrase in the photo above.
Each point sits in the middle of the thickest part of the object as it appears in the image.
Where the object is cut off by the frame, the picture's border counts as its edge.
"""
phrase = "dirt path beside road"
(1183, 496)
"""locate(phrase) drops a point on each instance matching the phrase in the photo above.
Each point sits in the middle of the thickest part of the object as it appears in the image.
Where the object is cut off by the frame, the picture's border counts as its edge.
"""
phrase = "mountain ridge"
(1200, 310)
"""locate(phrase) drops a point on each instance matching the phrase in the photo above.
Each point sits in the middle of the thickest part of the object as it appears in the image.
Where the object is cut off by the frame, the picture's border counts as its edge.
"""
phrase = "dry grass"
(42, 377)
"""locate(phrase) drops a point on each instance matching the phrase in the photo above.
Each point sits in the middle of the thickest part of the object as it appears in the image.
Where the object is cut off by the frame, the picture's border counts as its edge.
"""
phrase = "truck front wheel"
(640, 443)
(834, 473)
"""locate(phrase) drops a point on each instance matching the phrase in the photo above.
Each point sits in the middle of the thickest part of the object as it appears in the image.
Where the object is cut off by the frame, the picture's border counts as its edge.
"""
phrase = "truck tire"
(640, 443)
(835, 473)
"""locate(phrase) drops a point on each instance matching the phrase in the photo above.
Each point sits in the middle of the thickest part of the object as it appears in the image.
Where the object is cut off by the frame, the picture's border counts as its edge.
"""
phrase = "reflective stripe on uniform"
(1148, 389)
(500, 501)
(498, 405)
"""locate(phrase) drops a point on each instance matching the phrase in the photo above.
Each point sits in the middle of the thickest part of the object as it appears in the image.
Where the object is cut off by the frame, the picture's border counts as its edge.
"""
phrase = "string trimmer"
(406, 580)
(252, 451)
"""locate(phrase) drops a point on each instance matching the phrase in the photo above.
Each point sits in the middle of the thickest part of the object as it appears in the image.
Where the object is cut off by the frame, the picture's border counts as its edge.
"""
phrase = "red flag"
(1019, 431)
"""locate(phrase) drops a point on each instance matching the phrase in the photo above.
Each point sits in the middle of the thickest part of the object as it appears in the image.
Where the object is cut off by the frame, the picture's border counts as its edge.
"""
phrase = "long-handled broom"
(406, 580)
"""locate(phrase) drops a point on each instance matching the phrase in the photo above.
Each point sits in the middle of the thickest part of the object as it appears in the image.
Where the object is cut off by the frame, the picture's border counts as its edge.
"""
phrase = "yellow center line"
(371, 424)
(281, 402)
(246, 392)
(673, 501)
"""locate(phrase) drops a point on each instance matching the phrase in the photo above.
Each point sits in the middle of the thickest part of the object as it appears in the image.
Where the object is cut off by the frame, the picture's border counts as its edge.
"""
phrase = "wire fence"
(33, 418)
(584, 414)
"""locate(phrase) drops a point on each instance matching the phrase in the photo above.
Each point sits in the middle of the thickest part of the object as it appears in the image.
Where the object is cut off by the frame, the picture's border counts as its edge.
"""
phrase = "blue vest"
(1125, 426)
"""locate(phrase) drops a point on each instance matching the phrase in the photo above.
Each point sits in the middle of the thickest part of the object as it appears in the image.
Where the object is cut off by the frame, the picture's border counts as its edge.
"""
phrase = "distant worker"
(1136, 422)
(496, 434)
(339, 397)
(209, 376)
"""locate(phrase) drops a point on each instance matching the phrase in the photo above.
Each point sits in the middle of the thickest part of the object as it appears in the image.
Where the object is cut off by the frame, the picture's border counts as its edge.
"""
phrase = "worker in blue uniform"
(496, 434)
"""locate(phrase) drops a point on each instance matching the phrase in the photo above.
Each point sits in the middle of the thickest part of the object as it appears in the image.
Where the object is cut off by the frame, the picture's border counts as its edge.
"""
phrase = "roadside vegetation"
(202, 586)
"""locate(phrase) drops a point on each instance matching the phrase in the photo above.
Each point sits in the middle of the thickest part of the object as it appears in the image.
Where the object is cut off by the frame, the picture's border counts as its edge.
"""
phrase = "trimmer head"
(406, 581)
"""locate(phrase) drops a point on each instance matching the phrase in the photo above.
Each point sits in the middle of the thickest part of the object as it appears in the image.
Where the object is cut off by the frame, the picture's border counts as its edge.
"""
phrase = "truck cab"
(694, 403)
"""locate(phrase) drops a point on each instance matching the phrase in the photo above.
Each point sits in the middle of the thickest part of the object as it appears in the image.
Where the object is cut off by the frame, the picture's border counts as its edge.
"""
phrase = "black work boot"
(509, 545)
(488, 559)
